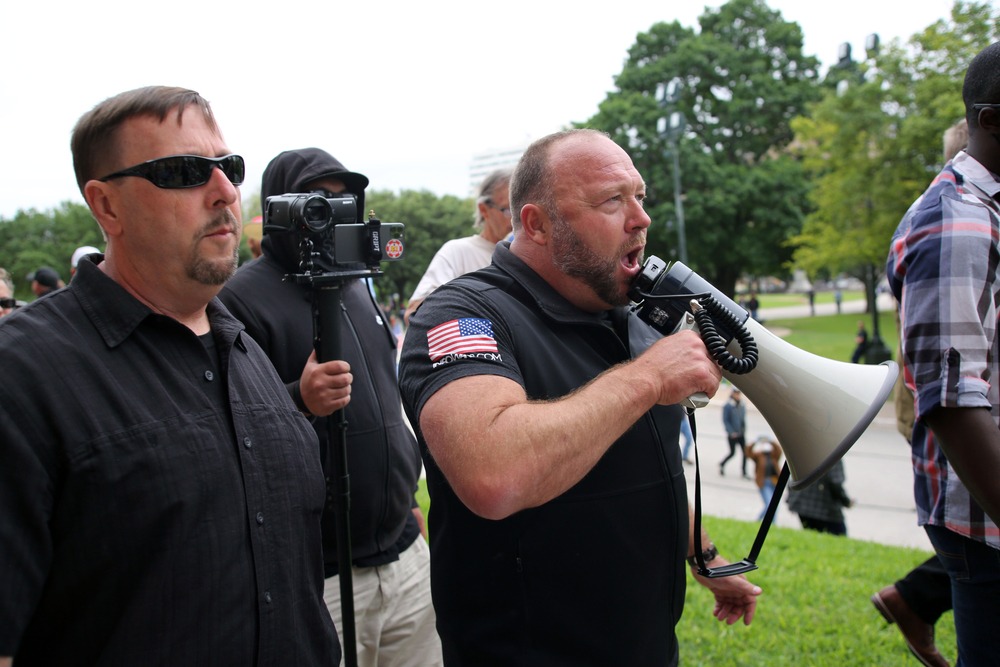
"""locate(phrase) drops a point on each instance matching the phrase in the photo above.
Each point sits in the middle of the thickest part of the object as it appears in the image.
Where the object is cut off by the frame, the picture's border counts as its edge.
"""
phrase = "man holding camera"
(548, 417)
(166, 509)
(391, 574)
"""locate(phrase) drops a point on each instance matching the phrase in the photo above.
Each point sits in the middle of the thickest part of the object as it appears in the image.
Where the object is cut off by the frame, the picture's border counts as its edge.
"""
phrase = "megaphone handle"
(700, 399)
(694, 401)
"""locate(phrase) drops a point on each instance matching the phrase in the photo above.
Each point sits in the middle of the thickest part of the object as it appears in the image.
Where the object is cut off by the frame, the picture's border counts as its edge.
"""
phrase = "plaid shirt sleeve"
(942, 267)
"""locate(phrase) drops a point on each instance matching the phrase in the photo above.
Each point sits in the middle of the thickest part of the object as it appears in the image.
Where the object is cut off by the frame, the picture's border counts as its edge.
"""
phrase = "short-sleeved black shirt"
(159, 501)
(593, 577)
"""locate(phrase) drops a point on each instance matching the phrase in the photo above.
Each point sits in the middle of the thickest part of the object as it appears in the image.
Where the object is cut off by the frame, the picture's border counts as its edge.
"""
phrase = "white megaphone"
(817, 407)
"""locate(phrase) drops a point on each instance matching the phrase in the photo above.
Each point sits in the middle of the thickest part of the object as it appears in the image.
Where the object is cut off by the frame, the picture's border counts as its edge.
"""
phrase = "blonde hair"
(956, 138)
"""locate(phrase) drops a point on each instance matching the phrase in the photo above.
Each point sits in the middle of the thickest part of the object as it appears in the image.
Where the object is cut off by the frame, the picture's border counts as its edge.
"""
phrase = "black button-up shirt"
(136, 470)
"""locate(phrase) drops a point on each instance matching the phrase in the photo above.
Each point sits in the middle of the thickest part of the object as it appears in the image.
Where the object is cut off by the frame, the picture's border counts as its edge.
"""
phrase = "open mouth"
(632, 260)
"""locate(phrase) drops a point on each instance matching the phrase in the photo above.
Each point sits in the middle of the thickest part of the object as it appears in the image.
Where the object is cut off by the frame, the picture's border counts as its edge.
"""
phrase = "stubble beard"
(215, 272)
(572, 256)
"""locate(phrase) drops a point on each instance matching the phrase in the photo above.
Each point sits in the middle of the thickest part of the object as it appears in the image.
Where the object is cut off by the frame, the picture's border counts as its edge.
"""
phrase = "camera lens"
(313, 212)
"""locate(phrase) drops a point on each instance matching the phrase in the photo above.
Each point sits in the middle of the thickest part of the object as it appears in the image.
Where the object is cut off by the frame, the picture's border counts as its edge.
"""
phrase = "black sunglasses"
(6, 302)
(184, 171)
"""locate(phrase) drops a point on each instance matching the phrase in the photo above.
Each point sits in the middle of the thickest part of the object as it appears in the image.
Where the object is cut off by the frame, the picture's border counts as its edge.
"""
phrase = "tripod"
(327, 316)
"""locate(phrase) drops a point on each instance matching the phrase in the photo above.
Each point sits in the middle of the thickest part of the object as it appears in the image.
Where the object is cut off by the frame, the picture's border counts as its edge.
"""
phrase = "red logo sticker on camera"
(394, 249)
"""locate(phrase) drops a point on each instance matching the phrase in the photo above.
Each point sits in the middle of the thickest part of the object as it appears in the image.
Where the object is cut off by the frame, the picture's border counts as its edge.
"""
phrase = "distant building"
(484, 163)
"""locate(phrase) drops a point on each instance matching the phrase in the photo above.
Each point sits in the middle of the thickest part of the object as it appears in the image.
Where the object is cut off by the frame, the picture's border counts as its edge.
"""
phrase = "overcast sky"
(405, 92)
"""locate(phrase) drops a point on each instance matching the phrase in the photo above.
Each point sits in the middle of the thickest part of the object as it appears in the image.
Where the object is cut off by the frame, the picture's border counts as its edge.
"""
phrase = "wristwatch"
(708, 555)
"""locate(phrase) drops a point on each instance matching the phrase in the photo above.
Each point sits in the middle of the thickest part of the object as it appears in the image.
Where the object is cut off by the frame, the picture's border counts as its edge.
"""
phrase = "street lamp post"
(671, 126)
(877, 351)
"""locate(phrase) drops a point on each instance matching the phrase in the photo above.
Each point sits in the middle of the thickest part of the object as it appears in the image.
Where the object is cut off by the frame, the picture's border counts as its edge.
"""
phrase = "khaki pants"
(393, 615)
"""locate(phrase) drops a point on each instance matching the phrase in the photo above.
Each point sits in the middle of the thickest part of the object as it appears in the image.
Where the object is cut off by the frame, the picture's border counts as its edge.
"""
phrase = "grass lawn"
(815, 609)
(780, 300)
(832, 336)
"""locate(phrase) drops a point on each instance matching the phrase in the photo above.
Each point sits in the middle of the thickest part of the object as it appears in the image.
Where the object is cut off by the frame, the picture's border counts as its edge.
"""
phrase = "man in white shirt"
(471, 253)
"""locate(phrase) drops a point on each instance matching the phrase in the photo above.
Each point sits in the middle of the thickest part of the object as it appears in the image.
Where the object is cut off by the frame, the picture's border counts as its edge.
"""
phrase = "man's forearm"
(971, 441)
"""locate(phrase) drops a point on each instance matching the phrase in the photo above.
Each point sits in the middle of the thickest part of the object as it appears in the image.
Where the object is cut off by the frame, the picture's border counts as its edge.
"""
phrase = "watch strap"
(708, 555)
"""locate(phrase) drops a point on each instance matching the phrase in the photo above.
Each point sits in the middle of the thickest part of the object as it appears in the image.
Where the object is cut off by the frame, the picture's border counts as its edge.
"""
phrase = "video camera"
(335, 219)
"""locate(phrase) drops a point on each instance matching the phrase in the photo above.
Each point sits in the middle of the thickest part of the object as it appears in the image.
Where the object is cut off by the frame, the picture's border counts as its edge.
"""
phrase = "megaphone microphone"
(817, 407)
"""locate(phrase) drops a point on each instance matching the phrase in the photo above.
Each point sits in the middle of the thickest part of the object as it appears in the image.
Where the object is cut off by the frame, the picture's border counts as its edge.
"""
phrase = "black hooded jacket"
(382, 456)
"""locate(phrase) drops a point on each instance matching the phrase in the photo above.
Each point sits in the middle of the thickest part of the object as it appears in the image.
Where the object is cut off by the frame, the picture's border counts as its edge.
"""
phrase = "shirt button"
(260, 518)
(267, 597)
(209, 375)
(247, 443)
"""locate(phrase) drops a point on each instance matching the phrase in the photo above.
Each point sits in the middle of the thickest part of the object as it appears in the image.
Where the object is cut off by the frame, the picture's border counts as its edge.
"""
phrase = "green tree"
(744, 79)
(429, 221)
(32, 239)
(873, 144)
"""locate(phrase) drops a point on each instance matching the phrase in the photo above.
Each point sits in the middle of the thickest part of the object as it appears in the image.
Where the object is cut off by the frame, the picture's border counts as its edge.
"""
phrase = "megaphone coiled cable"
(716, 345)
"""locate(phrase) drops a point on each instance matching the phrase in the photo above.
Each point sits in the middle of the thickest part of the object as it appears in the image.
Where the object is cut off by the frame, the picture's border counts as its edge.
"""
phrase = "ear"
(535, 224)
(484, 209)
(989, 120)
(102, 198)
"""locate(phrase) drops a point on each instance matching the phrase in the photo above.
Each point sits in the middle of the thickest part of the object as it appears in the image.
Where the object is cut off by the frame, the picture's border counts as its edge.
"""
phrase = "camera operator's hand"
(325, 387)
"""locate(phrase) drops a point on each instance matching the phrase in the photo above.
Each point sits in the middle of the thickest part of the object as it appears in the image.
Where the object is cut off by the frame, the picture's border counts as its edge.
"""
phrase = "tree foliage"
(429, 221)
(32, 239)
(744, 78)
(873, 146)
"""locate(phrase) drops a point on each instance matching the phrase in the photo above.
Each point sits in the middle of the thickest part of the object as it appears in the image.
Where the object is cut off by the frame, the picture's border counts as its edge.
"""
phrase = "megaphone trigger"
(687, 322)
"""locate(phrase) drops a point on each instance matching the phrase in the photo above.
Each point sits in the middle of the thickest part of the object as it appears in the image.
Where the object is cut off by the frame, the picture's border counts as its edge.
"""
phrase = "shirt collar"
(974, 171)
(547, 298)
(116, 314)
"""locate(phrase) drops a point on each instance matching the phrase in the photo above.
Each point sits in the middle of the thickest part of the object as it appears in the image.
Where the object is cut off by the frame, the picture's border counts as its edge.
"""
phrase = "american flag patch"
(466, 335)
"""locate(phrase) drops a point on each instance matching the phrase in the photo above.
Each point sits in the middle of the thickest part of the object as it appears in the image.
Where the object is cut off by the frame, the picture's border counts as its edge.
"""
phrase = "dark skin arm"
(971, 441)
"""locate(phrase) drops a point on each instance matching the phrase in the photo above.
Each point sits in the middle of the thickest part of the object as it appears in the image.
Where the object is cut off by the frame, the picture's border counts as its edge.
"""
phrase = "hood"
(290, 172)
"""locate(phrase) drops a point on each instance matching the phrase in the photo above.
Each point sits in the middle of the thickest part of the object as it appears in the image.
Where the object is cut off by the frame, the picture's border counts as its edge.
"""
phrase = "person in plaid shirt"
(943, 269)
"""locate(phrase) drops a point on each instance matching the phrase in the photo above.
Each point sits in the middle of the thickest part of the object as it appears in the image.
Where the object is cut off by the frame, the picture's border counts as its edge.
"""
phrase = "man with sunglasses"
(471, 253)
(943, 270)
(393, 614)
(165, 511)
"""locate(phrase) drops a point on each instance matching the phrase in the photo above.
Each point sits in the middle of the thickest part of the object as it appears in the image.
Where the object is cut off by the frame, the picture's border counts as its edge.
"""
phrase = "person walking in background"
(766, 454)
(941, 268)
(734, 420)
(753, 305)
(165, 510)
(838, 299)
(916, 602)
(820, 505)
(860, 343)
(464, 255)
(393, 613)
